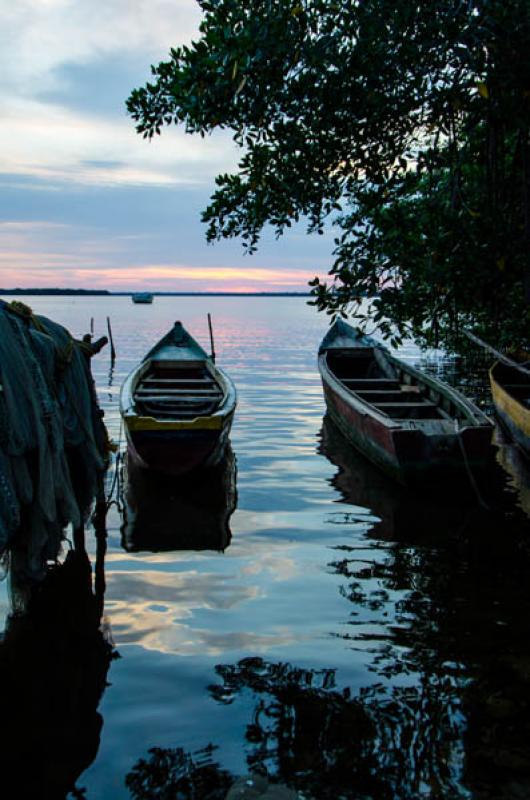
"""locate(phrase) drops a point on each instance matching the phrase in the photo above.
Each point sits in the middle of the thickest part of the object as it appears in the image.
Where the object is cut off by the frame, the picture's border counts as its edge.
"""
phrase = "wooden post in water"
(100, 529)
(91, 326)
(112, 350)
(211, 336)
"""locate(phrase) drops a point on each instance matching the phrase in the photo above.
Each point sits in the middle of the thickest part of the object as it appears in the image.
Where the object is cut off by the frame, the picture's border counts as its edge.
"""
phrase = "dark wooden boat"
(510, 388)
(414, 426)
(177, 407)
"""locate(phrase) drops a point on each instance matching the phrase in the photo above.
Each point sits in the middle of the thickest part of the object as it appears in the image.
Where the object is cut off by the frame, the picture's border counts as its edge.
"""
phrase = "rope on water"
(469, 471)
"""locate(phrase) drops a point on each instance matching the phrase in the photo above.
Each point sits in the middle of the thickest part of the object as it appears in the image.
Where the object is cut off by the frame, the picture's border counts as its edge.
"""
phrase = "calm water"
(349, 639)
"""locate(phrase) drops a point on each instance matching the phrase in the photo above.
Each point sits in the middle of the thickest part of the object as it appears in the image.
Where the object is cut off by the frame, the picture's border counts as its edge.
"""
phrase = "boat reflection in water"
(517, 467)
(54, 659)
(397, 508)
(191, 512)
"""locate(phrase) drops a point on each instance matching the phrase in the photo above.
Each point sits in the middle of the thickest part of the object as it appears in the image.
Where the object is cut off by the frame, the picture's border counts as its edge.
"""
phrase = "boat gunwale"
(480, 418)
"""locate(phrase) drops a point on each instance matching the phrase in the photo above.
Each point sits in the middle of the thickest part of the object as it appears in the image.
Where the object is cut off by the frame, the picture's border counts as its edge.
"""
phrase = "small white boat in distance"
(142, 297)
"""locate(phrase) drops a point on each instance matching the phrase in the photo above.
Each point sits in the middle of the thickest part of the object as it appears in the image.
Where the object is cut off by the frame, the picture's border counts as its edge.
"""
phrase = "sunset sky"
(86, 202)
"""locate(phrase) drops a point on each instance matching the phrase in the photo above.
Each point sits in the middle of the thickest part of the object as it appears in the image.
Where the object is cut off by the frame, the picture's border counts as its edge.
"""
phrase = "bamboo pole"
(500, 356)
(211, 336)
(112, 349)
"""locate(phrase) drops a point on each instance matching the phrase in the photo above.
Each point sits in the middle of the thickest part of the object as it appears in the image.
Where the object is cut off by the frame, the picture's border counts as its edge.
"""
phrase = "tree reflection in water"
(304, 731)
(446, 608)
(173, 774)
(439, 603)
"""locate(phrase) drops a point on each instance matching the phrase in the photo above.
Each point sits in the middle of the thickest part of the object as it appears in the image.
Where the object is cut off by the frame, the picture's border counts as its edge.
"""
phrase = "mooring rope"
(469, 471)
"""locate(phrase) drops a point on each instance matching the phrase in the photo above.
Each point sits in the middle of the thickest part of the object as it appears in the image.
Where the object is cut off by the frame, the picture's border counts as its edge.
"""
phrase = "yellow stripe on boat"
(135, 423)
(518, 414)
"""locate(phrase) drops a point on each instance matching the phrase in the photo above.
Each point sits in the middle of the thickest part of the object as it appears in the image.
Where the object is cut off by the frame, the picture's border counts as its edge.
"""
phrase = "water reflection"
(444, 602)
(423, 516)
(517, 468)
(189, 513)
(303, 730)
(439, 606)
(307, 732)
(173, 773)
(54, 659)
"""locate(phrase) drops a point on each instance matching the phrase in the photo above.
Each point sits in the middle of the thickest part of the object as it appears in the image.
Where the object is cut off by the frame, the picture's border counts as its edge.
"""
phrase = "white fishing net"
(52, 440)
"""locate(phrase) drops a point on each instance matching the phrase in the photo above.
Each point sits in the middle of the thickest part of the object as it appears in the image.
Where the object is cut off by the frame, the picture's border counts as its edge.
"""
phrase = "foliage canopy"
(404, 124)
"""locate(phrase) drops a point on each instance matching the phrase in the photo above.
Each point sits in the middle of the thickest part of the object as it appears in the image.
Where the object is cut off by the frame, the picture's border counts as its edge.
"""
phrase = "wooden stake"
(91, 326)
(112, 349)
(211, 337)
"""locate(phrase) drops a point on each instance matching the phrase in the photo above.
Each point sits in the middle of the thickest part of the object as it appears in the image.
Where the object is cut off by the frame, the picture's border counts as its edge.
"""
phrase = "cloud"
(73, 138)
(39, 36)
(85, 200)
(56, 144)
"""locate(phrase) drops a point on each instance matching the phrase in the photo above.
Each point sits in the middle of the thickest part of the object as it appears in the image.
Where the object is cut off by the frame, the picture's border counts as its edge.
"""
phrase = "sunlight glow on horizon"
(154, 277)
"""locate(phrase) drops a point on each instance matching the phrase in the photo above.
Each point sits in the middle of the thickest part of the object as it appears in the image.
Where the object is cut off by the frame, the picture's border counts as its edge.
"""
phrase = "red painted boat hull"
(410, 456)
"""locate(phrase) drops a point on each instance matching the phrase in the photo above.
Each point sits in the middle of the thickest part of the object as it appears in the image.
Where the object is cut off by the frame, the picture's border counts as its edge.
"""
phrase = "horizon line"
(109, 293)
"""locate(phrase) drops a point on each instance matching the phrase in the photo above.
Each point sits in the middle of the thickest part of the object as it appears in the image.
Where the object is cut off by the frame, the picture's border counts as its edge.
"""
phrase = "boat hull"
(142, 298)
(513, 415)
(177, 451)
(410, 456)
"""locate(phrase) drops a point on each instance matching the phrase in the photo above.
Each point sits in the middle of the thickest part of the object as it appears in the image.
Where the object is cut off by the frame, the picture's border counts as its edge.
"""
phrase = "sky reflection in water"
(348, 638)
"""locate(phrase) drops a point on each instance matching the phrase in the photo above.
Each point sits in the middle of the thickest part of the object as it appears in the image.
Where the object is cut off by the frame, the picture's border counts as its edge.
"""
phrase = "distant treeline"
(55, 291)
(156, 294)
(221, 294)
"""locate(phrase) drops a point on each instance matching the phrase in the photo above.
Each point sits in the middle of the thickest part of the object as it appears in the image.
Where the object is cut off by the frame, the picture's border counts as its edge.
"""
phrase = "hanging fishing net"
(52, 439)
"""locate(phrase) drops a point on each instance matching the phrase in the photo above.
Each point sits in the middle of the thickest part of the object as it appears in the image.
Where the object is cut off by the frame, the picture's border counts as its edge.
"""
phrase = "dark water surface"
(316, 622)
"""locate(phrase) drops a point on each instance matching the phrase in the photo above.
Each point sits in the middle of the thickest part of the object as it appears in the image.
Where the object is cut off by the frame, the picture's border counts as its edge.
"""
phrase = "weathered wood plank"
(154, 392)
(178, 380)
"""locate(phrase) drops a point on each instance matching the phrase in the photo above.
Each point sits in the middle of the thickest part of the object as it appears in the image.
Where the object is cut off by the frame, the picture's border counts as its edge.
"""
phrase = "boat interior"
(169, 390)
(389, 388)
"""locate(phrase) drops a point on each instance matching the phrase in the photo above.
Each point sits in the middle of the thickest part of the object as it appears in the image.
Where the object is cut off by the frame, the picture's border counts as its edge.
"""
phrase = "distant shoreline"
(106, 293)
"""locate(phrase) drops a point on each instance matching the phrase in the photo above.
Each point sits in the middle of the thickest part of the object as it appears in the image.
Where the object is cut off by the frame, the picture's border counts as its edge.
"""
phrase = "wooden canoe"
(511, 396)
(412, 425)
(177, 407)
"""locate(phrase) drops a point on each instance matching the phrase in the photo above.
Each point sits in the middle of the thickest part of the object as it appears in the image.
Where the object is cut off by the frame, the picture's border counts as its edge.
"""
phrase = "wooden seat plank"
(154, 392)
(421, 404)
(370, 380)
(177, 381)
(175, 401)
(386, 392)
